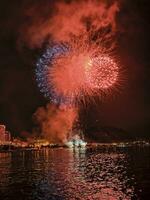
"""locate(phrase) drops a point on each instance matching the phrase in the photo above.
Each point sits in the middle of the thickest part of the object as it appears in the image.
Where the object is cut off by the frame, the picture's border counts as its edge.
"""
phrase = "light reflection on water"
(67, 174)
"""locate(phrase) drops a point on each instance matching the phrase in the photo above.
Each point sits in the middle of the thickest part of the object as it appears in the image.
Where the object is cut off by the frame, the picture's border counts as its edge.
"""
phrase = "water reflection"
(5, 162)
(68, 174)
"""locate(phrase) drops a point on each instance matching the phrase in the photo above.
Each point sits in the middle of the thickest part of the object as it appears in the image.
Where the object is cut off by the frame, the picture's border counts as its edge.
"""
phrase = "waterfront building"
(5, 136)
(2, 133)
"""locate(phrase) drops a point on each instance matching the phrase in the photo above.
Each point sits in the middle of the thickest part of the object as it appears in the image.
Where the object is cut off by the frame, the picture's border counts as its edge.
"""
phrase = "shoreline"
(10, 148)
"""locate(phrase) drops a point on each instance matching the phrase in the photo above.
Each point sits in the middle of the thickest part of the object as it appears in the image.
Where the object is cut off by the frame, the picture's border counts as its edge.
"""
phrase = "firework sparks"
(104, 72)
(79, 65)
(67, 74)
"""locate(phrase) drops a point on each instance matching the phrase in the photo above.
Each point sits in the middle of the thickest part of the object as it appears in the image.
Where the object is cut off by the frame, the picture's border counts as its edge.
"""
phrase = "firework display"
(68, 73)
(79, 63)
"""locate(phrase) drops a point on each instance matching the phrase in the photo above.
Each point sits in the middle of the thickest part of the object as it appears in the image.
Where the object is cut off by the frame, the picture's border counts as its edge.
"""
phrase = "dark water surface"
(66, 174)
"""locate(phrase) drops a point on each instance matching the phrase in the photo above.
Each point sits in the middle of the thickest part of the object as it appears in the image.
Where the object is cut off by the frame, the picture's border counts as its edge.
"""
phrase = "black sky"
(20, 96)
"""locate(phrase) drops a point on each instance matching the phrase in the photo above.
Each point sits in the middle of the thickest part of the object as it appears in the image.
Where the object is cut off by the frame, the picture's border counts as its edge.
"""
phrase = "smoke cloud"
(65, 20)
(55, 122)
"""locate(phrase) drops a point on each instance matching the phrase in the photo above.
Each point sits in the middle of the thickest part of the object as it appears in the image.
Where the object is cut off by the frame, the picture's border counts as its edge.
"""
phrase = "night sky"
(20, 97)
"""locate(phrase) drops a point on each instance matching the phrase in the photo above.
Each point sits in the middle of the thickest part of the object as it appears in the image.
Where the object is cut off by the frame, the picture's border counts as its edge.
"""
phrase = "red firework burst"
(103, 72)
(82, 72)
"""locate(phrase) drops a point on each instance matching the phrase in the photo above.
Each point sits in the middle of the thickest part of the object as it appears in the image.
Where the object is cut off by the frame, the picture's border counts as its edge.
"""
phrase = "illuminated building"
(5, 136)
(2, 133)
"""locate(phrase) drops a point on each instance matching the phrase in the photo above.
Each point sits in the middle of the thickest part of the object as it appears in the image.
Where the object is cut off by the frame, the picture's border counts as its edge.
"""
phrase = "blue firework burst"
(42, 71)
